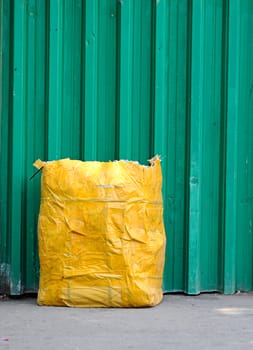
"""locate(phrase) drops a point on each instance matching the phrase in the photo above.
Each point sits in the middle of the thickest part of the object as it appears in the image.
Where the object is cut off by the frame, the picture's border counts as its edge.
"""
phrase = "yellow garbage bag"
(101, 234)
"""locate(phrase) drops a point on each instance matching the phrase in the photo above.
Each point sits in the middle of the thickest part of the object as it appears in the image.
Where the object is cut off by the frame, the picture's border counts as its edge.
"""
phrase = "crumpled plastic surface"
(101, 234)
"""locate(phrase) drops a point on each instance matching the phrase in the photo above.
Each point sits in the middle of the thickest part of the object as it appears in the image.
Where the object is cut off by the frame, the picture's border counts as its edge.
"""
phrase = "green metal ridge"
(5, 88)
(160, 109)
(125, 84)
(71, 72)
(17, 150)
(244, 238)
(34, 141)
(106, 64)
(56, 42)
(232, 149)
(196, 144)
(170, 131)
(90, 43)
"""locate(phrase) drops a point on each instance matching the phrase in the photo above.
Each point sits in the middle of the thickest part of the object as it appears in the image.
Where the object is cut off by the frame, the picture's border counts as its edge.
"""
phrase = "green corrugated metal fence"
(126, 79)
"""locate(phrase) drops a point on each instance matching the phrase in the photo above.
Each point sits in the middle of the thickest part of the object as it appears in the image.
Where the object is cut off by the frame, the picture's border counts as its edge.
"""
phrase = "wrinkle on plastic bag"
(101, 234)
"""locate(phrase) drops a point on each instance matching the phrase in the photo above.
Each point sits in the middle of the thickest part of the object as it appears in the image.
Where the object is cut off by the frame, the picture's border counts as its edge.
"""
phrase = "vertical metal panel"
(239, 194)
(5, 111)
(170, 131)
(232, 149)
(127, 79)
(205, 137)
(135, 80)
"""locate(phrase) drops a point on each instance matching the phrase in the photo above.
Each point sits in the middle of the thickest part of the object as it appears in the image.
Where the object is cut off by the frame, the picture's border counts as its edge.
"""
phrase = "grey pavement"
(207, 321)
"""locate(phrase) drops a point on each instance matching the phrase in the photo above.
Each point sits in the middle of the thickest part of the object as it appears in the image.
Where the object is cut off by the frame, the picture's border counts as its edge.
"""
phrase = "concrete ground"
(208, 321)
